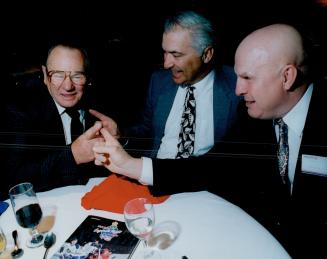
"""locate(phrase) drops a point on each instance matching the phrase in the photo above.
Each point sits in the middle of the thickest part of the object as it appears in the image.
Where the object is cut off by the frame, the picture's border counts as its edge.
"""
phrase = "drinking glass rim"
(145, 201)
(20, 184)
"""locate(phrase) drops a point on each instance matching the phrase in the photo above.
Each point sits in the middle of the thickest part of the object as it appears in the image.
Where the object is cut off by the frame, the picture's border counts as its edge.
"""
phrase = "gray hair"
(200, 28)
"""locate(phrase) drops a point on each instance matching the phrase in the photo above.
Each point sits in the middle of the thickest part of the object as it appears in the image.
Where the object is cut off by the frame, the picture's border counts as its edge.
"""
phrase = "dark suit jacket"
(245, 172)
(161, 94)
(37, 151)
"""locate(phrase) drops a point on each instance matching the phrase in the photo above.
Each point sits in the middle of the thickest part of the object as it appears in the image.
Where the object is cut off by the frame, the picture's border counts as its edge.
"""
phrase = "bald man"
(275, 79)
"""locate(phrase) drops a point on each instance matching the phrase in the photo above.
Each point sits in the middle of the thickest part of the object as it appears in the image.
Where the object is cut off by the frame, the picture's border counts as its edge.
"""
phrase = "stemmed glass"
(139, 219)
(27, 211)
(3, 241)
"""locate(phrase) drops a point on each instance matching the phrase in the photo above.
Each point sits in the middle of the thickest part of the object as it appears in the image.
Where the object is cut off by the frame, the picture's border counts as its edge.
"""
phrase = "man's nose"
(240, 88)
(67, 83)
(168, 61)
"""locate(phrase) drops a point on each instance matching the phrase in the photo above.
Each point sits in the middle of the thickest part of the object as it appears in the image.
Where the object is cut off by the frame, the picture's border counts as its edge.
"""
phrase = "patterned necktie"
(76, 126)
(187, 135)
(282, 152)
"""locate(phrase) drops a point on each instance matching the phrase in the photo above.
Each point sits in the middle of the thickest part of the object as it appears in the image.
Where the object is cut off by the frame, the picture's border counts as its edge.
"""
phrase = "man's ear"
(207, 54)
(45, 75)
(290, 73)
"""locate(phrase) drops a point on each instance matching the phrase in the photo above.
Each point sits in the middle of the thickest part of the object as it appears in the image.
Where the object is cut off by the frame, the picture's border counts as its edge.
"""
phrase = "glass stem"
(36, 237)
(34, 232)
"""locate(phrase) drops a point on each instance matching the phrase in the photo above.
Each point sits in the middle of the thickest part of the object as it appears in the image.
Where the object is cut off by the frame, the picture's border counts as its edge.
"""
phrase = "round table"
(211, 227)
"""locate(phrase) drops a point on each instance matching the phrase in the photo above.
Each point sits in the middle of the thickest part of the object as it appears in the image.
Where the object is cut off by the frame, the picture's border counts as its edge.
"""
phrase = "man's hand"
(112, 155)
(82, 146)
(107, 123)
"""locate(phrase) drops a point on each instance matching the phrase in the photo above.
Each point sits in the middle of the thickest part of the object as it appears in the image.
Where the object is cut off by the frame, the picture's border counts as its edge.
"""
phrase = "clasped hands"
(82, 147)
(100, 144)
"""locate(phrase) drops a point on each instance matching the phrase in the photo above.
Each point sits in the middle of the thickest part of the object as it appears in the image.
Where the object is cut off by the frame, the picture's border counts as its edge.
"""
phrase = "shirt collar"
(295, 118)
(61, 109)
(205, 82)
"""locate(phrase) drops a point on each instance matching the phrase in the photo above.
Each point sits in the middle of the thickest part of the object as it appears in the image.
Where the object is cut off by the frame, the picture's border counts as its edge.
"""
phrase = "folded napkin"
(113, 193)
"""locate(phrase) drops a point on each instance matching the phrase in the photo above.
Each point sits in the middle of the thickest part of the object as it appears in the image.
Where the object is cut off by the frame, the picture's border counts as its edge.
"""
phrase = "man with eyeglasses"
(46, 152)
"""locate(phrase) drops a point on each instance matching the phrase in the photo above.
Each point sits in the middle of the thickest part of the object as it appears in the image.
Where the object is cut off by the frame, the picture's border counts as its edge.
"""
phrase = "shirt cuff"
(147, 172)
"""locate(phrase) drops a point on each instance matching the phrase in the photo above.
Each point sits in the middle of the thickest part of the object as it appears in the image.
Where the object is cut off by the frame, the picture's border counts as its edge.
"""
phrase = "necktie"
(76, 127)
(187, 134)
(282, 152)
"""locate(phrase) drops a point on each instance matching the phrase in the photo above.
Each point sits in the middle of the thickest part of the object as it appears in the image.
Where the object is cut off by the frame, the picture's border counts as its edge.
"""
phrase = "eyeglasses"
(57, 77)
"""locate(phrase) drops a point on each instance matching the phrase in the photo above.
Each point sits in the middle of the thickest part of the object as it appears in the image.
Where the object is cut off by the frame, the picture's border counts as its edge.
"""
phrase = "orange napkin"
(112, 194)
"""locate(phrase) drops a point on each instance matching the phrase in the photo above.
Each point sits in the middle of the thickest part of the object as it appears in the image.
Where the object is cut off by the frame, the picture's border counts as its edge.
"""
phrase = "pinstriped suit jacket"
(39, 153)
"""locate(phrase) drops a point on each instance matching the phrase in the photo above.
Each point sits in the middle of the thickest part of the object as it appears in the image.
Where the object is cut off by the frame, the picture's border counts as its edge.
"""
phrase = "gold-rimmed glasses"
(57, 77)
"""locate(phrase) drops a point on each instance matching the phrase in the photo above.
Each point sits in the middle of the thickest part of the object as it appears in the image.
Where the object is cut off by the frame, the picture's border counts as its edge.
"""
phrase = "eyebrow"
(71, 71)
(175, 52)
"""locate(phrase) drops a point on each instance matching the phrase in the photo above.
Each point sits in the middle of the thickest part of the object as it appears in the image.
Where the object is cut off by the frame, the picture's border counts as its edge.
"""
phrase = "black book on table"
(98, 237)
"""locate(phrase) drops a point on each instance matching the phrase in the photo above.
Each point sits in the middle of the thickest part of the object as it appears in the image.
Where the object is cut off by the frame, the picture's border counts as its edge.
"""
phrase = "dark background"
(123, 38)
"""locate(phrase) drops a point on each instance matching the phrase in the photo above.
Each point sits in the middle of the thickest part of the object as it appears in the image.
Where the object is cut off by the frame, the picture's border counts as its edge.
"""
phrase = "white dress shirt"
(204, 126)
(66, 121)
(295, 120)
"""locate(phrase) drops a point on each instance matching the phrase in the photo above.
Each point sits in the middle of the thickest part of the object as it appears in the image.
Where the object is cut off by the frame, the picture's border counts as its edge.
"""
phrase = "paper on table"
(113, 193)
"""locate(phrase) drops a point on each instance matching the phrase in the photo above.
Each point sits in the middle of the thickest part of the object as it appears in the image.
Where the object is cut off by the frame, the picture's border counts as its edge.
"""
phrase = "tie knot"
(73, 113)
(190, 88)
(280, 122)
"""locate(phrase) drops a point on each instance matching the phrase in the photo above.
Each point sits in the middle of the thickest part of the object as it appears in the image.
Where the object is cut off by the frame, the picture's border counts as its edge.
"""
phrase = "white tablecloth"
(211, 226)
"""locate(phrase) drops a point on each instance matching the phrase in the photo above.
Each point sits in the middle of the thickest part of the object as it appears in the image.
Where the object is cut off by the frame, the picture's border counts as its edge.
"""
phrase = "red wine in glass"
(27, 211)
(29, 216)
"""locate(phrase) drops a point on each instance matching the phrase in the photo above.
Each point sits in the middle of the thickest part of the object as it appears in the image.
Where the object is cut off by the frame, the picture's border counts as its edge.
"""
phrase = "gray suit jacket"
(161, 94)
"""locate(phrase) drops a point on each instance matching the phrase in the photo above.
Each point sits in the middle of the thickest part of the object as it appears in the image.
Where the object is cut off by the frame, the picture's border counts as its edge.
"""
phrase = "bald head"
(280, 43)
(267, 63)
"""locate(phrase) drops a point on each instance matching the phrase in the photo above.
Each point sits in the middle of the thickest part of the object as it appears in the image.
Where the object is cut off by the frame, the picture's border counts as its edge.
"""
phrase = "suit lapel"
(221, 104)
(53, 123)
(165, 103)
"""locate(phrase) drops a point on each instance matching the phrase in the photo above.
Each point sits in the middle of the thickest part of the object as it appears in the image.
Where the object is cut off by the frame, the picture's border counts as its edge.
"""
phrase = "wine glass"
(3, 241)
(27, 211)
(139, 219)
